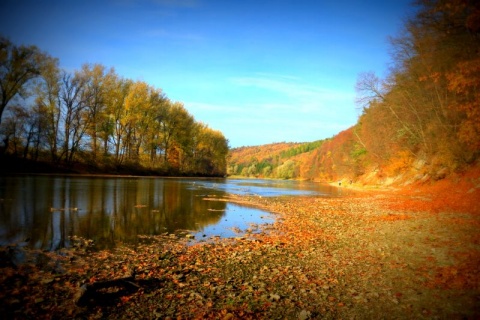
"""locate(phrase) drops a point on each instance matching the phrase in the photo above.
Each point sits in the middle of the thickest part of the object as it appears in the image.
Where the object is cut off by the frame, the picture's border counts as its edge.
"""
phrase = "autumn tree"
(95, 78)
(427, 107)
(13, 128)
(18, 66)
(117, 93)
(209, 151)
(287, 170)
(48, 106)
(76, 116)
(74, 110)
(154, 147)
(175, 125)
(138, 112)
(455, 25)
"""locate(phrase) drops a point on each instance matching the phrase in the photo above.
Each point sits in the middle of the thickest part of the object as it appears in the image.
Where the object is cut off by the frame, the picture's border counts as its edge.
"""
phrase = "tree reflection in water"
(48, 210)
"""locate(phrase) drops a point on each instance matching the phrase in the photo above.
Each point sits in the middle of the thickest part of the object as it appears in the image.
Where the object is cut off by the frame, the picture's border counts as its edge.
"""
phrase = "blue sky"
(259, 71)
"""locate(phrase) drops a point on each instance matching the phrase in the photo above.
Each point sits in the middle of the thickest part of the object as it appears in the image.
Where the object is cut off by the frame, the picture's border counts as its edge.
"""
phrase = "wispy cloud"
(260, 123)
(306, 97)
(202, 107)
(267, 108)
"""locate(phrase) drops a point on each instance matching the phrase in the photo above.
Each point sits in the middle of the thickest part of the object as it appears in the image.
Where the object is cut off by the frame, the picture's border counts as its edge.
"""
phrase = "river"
(46, 211)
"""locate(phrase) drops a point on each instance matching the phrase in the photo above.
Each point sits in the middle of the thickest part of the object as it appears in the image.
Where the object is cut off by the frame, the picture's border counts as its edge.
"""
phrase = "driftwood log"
(109, 292)
(106, 292)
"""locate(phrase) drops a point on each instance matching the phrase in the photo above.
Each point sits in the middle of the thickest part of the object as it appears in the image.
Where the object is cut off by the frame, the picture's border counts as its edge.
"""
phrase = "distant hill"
(341, 158)
(266, 160)
(326, 159)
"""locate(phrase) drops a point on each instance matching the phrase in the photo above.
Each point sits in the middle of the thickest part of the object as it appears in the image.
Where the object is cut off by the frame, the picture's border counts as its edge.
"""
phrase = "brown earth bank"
(372, 254)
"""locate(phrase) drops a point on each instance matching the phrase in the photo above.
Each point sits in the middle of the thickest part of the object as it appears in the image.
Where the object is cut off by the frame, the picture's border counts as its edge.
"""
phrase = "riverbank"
(369, 255)
(16, 165)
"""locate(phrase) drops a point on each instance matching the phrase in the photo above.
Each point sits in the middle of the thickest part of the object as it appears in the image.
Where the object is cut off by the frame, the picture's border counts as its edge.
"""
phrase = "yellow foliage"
(400, 162)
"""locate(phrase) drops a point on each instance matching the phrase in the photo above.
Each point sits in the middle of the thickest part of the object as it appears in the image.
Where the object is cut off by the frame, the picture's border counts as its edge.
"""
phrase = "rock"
(274, 297)
(228, 316)
(304, 315)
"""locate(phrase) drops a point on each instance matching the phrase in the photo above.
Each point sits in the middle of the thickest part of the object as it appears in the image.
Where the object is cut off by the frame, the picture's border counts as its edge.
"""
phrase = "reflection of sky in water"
(236, 218)
(49, 209)
(268, 188)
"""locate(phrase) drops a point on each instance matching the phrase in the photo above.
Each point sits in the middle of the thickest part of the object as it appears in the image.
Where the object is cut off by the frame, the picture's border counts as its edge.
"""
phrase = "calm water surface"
(46, 211)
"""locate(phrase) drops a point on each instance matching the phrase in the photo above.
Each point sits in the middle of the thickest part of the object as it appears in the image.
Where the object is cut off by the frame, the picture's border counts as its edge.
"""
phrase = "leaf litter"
(322, 258)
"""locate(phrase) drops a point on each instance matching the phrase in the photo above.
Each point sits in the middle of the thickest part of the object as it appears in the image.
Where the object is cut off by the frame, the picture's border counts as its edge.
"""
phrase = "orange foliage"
(333, 158)
(394, 217)
(459, 193)
(464, 81)
(400, 162)
(463, 275)
(245, 155)
(456, 277)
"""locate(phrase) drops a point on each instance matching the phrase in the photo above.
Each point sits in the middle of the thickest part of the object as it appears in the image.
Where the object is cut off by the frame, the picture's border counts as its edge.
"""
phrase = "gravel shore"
(358, 256)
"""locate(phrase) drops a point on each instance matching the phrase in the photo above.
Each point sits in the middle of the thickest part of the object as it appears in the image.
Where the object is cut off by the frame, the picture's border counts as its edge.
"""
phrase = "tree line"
(269, 161)
(95, 117)
(423, 118)
(428, 106)
(302, 148)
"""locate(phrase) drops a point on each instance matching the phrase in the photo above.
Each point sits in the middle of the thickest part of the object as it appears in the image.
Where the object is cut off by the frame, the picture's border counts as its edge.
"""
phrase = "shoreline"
(364, 255)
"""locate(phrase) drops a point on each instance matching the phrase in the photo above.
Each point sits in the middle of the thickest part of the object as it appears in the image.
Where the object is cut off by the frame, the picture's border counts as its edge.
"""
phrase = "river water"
(46, 211)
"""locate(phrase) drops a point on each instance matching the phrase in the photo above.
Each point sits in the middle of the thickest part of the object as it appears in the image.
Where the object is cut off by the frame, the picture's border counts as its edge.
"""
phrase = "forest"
(419, 123)
(409, 249)
(93, 120)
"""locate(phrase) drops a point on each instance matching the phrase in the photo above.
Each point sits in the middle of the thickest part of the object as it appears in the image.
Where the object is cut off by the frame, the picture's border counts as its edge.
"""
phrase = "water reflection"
(48, 210)
(273, 188)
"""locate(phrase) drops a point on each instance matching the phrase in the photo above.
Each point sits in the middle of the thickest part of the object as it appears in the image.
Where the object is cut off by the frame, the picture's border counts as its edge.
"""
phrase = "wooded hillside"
(421, 122)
